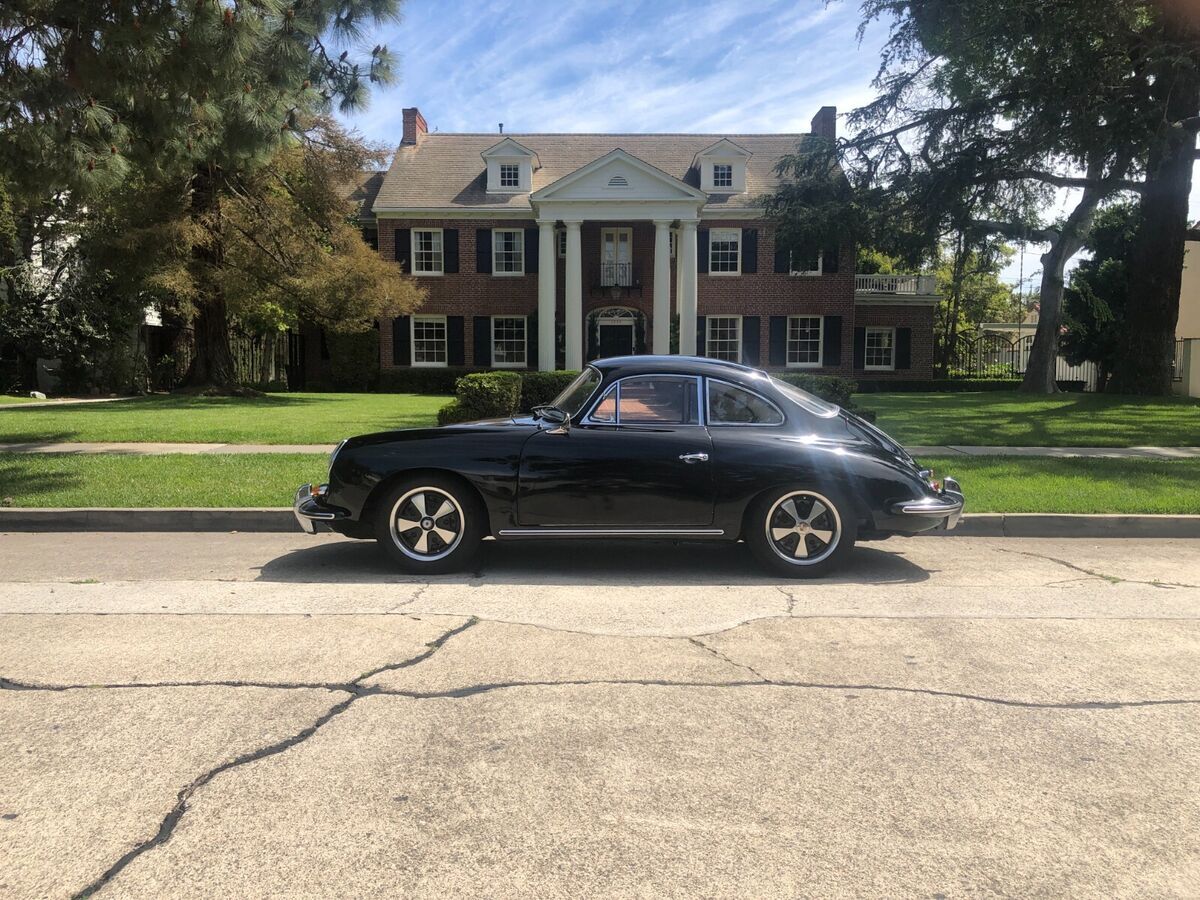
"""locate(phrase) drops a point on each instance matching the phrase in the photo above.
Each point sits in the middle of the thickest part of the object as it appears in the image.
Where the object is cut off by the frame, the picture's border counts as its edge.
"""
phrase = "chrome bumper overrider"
(948, 505)
(308, 511)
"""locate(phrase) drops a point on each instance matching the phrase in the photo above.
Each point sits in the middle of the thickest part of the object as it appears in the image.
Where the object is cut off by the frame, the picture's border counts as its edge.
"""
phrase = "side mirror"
(554, 415)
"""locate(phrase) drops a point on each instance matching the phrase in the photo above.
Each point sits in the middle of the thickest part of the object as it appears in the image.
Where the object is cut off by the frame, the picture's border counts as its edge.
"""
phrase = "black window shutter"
(401, 341)
(829, 265)
(450, 250)
(777, 342)
(483, 250)
(483, 341)
(831, 341)
(750, 340)
(531, 251)
(455, 341)
(749, 250)
(701, 337)
(903, 348)
(702, 250)
(404, 248)
(531, 342)
(783, 261)
(860, 348)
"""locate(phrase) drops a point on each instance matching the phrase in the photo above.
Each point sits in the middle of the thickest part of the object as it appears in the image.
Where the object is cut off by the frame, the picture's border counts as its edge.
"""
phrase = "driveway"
(280, 715)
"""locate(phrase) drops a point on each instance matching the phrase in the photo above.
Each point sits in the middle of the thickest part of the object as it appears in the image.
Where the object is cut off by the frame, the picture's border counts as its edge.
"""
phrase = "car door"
(639, 459)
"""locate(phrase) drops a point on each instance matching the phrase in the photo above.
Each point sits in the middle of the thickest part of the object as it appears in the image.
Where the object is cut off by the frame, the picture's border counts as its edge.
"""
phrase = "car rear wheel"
(801, 533)
(430, 524)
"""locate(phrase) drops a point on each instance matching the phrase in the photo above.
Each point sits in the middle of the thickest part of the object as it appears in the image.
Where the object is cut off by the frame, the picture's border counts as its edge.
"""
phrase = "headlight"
(333, 455)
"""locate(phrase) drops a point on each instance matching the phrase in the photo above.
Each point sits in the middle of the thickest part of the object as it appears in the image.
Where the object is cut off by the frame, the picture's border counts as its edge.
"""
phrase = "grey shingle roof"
(447, 171)
(363, 191)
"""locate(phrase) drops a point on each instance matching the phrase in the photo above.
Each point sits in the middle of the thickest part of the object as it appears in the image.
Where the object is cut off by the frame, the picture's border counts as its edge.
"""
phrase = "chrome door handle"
(694, 457)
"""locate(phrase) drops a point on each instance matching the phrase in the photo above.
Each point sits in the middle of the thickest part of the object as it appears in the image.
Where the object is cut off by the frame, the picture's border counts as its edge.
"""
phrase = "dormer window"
(723, 167)
(722, 175)
(510, 167)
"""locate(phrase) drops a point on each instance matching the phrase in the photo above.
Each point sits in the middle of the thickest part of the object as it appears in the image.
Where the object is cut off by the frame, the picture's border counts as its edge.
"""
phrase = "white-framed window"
(880, 350)
(722, 175)
(510, 175)
(805, 263)
(561, 240)
(508, 342)
(508, 251)
(429, 340)
(724, 338)
(804, 341)
(725, 251)
(427, 256)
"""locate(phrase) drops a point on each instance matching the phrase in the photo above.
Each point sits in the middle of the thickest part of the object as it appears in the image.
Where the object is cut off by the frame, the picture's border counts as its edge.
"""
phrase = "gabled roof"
(362, 191)
(615, 158)
(724, 148)
(509, 148)
(446, 171)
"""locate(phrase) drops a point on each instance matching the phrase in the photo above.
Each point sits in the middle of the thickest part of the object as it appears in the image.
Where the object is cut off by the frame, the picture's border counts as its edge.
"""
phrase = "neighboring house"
(548, 250)
(1187, 326)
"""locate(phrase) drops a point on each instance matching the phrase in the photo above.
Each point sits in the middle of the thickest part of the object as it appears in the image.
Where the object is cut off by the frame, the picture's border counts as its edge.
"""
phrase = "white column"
(687, 289)
(662, 287)
(678, 271)
(574, 297)
(547, 266)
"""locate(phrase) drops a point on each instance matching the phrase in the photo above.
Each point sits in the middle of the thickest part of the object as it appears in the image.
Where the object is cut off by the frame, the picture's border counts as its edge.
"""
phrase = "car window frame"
(617, 423)
(783, 419)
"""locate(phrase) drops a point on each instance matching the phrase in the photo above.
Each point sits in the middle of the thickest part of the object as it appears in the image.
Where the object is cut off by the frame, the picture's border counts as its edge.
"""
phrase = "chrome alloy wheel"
(803, 528)
(427, 524)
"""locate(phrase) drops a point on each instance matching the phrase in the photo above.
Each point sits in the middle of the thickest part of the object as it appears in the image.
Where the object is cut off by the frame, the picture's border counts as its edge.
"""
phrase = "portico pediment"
(618, 176)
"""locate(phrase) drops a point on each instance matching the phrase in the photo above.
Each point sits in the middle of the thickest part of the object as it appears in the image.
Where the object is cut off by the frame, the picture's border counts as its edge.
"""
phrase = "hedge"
(482, 395)
(954, 385)
(540, 388)
(828, 387)
(353, 360)
(433, 380)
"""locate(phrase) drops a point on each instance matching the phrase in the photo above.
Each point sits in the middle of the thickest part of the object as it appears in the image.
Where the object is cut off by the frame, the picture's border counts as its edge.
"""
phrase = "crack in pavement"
(1111, 579)
(171, 820)
(791, 599)
(721, 656)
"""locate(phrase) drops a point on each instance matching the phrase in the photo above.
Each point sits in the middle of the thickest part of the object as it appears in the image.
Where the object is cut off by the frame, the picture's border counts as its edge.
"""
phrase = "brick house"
(548, 250)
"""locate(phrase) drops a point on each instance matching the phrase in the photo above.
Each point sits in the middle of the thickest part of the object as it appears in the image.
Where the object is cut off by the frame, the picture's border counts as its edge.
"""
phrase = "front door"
(616, 337)
(639, 460)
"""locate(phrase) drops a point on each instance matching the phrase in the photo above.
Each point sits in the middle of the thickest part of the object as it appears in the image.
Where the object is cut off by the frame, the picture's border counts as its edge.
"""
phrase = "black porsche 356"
(638, 447)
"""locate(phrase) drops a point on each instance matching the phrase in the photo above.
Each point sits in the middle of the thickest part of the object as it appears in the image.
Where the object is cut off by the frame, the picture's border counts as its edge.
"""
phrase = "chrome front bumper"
(947, 505)
(309, 511)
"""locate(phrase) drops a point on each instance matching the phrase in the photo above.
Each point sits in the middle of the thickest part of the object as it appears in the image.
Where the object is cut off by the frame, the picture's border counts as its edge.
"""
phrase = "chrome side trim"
(555, 531)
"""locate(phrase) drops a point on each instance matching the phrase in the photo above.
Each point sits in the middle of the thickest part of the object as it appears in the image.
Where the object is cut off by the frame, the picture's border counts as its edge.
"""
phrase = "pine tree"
(190, 96)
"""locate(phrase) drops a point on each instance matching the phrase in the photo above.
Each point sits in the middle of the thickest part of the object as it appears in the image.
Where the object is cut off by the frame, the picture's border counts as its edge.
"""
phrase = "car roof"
(621, 366)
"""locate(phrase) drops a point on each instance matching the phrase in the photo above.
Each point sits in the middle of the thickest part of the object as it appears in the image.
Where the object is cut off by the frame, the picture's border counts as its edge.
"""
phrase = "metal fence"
(999, 358)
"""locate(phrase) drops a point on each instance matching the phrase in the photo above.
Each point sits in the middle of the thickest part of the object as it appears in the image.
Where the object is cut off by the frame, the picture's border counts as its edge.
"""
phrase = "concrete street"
(278, 715)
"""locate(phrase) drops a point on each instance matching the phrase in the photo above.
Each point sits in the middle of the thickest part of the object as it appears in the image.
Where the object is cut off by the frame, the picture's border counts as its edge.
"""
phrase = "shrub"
(424, 381)
(827, 387)
(483, 395)
(951, 385)
(354, 360)
(540, 388)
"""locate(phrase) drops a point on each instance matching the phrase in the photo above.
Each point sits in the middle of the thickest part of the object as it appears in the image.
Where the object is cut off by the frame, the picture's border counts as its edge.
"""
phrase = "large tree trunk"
(212, 365)
(1147, 351)
(1043, 357)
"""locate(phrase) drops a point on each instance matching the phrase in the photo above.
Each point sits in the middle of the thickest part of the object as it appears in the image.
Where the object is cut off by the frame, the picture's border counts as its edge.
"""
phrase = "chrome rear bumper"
(947, 505)
(308, 510)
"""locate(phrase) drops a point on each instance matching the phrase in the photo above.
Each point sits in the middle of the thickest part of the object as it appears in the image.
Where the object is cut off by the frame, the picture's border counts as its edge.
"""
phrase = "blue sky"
(628, 65)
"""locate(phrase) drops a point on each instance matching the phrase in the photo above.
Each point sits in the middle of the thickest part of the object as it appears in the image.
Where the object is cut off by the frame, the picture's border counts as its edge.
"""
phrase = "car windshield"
(576, 393)
(805, 400)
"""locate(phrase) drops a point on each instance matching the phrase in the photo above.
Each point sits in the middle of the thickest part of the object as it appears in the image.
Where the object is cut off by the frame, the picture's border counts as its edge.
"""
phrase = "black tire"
(447, 525)
(800, 532)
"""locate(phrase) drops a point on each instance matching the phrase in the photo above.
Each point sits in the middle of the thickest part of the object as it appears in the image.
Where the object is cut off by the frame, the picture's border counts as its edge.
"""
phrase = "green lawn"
(992, 484)
(1009, 419)
(269, 419)
(6, 400)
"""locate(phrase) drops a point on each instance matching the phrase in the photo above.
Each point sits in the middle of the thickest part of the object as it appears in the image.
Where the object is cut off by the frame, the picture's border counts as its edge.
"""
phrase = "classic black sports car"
(637, 447)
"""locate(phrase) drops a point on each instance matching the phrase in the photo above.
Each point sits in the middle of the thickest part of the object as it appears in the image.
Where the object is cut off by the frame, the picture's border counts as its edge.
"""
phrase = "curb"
(281, 520)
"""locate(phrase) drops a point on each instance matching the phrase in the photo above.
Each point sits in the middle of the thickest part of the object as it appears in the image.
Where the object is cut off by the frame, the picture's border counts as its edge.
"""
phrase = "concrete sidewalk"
(158, 449)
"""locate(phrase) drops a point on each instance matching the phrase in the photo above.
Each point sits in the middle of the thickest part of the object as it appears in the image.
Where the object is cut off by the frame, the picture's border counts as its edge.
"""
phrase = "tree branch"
(1067, 181)
(1018, 231)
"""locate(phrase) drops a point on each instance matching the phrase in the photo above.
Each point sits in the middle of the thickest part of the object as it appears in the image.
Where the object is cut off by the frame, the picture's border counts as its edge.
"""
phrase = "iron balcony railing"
(911, 285)
(616, 274)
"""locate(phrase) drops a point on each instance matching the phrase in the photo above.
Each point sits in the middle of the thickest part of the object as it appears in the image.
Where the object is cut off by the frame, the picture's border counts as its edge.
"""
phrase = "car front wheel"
(430, 525)
(801, 533)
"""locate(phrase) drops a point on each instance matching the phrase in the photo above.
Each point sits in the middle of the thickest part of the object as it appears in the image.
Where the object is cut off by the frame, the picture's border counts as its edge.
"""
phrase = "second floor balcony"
(900, 285)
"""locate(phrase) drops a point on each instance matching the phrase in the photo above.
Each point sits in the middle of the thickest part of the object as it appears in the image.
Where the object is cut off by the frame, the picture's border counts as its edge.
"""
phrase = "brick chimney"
(824, 123)
(414, 126)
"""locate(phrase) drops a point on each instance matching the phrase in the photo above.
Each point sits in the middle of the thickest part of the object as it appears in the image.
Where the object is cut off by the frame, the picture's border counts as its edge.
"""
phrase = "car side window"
(650, 400)
(730, 405)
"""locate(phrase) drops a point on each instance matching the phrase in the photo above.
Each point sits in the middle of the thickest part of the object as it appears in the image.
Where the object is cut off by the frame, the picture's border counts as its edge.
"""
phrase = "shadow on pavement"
(642, 563)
